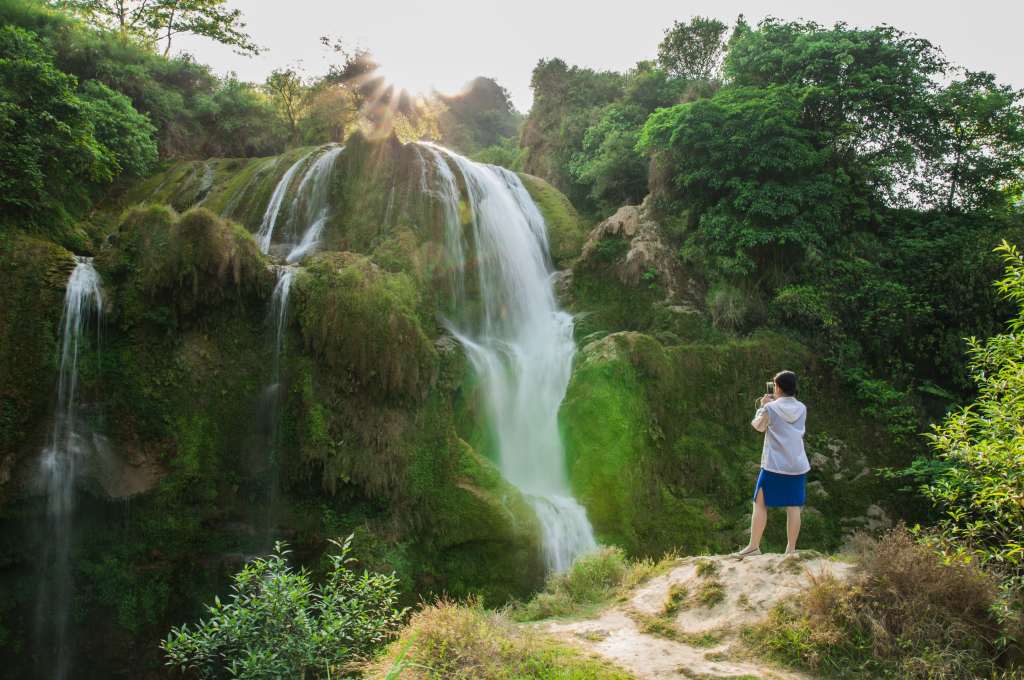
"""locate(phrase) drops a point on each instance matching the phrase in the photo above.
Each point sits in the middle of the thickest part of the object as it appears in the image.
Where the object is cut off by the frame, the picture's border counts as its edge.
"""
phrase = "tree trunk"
(170, 29)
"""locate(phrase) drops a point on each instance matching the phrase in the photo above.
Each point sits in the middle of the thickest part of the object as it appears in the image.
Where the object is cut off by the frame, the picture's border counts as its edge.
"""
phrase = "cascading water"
(309, 209)
(279, 317)
(61, 458)
(305, 218)
(266, 231)
(518, 340)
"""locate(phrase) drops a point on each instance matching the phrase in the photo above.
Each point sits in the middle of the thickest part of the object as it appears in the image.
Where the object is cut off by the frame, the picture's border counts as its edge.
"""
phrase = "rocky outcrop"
(688, 622)
(634, 243)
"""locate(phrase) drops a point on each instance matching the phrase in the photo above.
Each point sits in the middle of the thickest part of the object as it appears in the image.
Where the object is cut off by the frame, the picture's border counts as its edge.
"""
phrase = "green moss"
(606, 305)
(662, 454)
(182, 262)
(366, 322)
(566, 232)
(233, 188)
(34, 273)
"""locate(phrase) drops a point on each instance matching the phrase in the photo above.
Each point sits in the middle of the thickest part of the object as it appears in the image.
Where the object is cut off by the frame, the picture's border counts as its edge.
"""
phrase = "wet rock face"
(645, 258)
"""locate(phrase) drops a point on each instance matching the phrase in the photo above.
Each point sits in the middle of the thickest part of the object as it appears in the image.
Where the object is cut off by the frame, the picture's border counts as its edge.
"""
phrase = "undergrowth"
(467, 642)
(593, 580)
(906, 613)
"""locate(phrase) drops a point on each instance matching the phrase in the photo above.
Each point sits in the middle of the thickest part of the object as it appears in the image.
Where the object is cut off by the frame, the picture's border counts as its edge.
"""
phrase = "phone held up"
(769, 387)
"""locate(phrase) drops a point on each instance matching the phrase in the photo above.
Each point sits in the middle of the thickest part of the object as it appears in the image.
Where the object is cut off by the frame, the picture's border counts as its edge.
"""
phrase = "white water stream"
(517, 338)
(63, 456)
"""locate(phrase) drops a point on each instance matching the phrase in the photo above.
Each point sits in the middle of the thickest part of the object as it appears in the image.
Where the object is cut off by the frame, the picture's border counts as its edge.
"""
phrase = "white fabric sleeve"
(760, 421)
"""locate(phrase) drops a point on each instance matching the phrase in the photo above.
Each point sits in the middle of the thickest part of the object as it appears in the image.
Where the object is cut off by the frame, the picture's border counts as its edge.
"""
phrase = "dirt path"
(686, 623)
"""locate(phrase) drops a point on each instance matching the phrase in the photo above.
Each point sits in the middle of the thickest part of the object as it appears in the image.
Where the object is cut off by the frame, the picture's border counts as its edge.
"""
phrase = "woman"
(783, 478)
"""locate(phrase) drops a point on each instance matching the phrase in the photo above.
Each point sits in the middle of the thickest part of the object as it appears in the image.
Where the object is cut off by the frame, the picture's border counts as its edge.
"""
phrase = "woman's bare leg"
(758, 521)
(792, 527)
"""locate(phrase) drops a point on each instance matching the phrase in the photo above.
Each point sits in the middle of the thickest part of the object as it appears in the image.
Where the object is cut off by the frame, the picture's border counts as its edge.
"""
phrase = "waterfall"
(279, 317)
(266, 231)
(63, 455)
(309, 209)
(517, 338)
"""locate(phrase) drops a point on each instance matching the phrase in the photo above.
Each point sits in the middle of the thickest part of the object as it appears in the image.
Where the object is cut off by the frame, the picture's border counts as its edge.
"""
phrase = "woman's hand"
(767, 398)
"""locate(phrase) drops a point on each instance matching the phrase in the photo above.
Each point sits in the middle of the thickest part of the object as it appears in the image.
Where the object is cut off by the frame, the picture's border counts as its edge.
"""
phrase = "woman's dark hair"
(786, 380)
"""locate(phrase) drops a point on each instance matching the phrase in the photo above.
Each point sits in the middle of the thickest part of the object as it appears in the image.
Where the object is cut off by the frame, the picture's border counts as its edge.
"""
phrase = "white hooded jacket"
(783, 422)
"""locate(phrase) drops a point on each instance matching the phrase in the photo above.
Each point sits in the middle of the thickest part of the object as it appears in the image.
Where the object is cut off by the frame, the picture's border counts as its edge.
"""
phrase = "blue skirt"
(781, 490)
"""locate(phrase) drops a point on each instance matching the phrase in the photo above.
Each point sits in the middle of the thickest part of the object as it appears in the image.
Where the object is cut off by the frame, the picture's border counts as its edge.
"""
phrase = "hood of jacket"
(788, 407)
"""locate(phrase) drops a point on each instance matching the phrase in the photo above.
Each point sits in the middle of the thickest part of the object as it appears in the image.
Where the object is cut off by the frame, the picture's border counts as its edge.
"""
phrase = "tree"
(867, 92)
(694, 50)
(278, 624)
(979, 148)
(162, 20)
(288, 91)
(762, 186)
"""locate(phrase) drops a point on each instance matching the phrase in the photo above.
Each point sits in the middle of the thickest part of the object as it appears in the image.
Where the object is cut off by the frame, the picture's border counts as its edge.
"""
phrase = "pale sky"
(445, 43)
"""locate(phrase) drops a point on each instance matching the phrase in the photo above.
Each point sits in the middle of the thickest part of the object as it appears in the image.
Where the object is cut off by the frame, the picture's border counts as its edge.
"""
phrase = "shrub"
(906, 613)
(278, 623)
(592, 580)
(463, 642)
(729, 307)
(128, 135)
(50, 160)
(981, 484)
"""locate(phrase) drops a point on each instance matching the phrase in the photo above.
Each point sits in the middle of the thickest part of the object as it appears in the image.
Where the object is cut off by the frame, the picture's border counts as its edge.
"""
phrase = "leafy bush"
(467, 642)
(906, 613)
(128, 134)
(980, 487)
(278, 623)
(50, 159)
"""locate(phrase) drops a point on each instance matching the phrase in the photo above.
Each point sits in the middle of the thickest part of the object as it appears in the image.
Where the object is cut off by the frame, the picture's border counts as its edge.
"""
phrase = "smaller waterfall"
(307, 212)
(279, 317)
(311, 206)
(266, 232)
(266, 431)
(62, 457)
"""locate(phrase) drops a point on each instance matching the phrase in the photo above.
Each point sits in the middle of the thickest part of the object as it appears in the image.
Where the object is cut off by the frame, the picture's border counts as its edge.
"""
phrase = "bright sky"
(445, 43)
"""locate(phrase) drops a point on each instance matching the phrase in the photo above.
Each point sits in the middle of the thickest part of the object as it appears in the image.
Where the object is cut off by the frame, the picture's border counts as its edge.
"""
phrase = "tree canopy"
(161, 20)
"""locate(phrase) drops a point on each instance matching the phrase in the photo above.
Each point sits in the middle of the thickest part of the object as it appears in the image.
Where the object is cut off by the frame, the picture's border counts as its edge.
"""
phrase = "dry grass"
(906, 613)
(467, 642)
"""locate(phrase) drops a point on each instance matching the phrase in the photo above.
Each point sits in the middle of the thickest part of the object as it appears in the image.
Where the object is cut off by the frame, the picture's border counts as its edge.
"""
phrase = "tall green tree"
(288, 91)
(693, 50)
(978, 151)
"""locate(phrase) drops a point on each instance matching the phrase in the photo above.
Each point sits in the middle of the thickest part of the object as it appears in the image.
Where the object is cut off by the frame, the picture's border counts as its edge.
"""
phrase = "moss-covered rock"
(566, 233)
(364, 321)
(34, 274)
(661, 450)
(187, 261)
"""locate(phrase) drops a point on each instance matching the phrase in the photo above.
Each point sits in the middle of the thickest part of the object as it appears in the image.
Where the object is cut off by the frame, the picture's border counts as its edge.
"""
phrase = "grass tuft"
(711, 593)
(592, 581)
(467, 642)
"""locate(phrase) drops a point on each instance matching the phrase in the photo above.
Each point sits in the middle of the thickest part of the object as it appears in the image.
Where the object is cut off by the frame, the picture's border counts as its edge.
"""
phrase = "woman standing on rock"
(783, 478)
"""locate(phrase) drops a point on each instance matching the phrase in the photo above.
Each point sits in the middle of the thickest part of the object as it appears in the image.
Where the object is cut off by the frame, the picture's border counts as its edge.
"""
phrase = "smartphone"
(769, 387)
